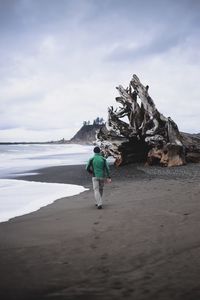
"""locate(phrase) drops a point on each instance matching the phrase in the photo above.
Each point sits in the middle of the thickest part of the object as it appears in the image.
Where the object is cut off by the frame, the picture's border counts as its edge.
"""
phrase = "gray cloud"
(61, 60)
(158, 45)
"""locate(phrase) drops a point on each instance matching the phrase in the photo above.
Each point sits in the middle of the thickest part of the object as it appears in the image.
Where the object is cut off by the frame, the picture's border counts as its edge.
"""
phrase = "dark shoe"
(99, 206)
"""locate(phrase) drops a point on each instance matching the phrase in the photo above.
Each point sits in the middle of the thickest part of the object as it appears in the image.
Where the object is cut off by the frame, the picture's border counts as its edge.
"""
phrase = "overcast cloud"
(60, 61)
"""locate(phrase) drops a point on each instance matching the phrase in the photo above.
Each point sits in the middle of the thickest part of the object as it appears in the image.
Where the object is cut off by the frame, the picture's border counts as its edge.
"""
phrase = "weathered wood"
(146, 136)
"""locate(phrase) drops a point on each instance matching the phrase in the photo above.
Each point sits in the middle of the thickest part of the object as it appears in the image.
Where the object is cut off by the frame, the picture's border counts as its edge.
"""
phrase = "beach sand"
(143, 244)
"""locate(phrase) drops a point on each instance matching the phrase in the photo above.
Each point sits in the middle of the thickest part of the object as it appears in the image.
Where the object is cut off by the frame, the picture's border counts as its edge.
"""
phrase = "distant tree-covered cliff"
(87, 133)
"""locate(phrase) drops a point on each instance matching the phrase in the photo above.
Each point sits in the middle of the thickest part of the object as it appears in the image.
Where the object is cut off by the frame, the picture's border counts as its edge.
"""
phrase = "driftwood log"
(136, 131)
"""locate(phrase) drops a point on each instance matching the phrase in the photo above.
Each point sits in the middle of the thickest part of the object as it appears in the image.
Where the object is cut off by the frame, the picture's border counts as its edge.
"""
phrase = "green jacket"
(98, 166)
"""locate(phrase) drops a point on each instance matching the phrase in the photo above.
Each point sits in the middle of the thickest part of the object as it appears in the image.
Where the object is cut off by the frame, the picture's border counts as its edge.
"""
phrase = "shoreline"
(77, 175)
(144, 244)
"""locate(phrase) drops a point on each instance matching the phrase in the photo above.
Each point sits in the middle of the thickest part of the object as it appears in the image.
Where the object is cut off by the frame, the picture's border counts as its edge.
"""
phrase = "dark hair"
(96, 149)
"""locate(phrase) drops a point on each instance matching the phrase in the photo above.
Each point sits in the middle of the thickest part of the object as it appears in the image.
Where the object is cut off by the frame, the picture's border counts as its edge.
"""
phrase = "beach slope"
(143, 244)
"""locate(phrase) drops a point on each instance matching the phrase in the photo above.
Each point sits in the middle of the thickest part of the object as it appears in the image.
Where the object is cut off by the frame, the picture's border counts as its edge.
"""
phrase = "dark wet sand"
(144, 243)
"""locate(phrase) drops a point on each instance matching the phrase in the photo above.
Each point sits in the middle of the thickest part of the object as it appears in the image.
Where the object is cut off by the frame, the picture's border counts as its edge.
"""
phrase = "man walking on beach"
(98, 167)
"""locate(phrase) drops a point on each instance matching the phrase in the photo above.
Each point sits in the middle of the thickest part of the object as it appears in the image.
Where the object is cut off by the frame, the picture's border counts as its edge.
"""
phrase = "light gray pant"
(98, 184)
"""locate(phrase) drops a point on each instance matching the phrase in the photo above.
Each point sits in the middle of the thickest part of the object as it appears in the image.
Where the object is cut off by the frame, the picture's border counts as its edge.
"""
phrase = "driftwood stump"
(137, 131)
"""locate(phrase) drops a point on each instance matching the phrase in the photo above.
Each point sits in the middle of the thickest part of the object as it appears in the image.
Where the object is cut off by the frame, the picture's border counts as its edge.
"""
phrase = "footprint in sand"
(92, 246)
(117, 285)
(104, 256)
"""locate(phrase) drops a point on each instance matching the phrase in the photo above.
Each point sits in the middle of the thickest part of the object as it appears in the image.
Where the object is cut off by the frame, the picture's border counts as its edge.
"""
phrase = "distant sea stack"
(86, 135)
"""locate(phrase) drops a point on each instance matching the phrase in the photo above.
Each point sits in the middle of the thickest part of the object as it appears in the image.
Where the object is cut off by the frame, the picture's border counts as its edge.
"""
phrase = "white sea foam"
(26, 174)
(16, 159)
(19, 197)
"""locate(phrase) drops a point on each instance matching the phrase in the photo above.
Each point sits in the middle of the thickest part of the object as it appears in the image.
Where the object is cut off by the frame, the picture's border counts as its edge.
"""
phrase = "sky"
(61, 60)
